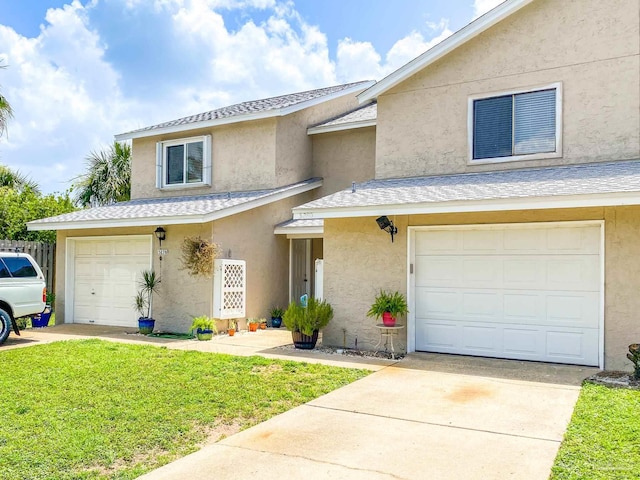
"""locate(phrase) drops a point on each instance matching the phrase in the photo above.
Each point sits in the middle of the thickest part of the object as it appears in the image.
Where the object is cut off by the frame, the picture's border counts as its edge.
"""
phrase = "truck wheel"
(5, 325)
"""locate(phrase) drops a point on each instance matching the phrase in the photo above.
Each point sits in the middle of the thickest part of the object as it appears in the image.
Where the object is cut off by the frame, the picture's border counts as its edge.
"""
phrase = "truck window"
(20, 267)
(4, 271)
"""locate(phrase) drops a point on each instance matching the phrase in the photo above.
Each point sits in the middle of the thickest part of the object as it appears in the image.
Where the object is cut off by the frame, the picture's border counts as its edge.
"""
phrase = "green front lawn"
(603, 438)
(95, 409)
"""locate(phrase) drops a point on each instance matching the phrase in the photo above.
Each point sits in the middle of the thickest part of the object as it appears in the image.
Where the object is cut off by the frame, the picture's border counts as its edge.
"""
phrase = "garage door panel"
(480, 338)
(437, 303)
(528, 292)
(481, 305)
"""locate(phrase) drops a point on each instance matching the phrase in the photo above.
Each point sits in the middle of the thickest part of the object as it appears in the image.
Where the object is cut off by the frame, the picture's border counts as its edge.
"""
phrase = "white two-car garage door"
(528, 292)
(104, 276)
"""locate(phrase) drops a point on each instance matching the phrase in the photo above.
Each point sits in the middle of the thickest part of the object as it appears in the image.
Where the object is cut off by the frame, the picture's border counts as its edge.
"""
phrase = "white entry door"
(523, 291)
(105, 276)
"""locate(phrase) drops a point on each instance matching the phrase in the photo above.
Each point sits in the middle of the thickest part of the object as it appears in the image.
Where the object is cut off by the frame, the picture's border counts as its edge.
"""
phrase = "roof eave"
(340, 127)
(242, 117)
(471, 206)
(177, 219)
(449, 44)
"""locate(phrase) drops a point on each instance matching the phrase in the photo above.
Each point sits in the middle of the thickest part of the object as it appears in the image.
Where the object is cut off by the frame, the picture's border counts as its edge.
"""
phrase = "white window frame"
(515, 158)
(161, 162)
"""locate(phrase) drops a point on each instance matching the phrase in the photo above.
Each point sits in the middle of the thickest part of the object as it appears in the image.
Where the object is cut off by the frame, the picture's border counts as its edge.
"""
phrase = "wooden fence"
(43, 253)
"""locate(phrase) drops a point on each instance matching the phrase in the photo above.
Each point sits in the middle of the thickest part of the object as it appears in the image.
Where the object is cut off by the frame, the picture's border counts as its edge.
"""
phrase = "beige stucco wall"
(245, 155)
(344, 157)
(590, 46)
(246, 236)
(360, 260)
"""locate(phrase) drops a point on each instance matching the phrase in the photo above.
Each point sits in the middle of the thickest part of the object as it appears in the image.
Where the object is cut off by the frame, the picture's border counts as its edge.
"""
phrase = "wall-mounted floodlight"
(387, 225)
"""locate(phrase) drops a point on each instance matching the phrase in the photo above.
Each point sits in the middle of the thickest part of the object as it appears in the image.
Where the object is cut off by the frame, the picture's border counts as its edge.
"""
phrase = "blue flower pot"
(146, 325)
(205, 334)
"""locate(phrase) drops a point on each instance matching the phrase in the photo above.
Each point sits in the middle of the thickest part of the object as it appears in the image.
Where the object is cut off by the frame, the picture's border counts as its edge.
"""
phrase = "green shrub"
(315, 316)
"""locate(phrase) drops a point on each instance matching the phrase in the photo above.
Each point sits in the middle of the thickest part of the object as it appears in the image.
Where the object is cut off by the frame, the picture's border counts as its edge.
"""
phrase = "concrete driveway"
(419, 418)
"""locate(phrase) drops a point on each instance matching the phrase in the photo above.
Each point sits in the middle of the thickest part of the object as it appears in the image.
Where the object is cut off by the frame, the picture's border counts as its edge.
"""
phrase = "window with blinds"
(515, 124)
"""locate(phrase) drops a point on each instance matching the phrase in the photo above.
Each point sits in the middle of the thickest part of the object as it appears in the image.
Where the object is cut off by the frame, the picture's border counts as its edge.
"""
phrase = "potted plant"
(252, 324)
(634, 356)
(306, 322)
(149, 284)
(263, 323)
(233, 326)
(388, 305)
(41, 320)
(276, 317)
(204, 327)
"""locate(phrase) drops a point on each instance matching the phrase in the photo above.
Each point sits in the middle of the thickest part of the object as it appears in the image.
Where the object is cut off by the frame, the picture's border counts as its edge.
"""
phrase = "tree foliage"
(108, 177)
(17, 207)
(6, 112)
(15, 180)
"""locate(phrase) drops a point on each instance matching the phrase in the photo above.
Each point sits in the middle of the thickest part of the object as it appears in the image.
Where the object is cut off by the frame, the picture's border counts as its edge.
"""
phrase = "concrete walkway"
(426, 416)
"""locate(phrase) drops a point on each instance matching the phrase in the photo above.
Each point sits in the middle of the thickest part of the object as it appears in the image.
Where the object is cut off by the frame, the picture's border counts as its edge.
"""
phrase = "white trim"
(340, 127)
(411, 285)
(462, 206)
(242, 117)
(302, 236)
(449, 44)
(299, 231)
(515, 158)
(290, 269)
(69, 270)
(177, 219)
(602, 294)
(411, 246)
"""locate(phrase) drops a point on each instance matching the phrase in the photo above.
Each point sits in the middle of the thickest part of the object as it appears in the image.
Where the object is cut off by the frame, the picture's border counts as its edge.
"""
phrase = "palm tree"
(108, 179)
(17, 181)
(6, 112)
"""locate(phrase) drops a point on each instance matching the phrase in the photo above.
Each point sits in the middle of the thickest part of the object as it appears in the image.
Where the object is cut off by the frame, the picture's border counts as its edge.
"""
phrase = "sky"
(79, 72)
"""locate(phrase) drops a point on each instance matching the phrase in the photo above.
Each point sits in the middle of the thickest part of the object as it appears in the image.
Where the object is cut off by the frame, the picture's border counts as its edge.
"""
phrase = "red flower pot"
(388, 320)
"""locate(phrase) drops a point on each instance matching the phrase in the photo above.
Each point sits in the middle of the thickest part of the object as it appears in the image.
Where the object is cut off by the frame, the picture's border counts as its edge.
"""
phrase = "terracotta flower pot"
(263, 326)
(253, 327)
(231, 332)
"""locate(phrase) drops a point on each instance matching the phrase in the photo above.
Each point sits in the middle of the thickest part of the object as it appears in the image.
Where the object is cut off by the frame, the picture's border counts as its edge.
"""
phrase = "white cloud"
(481, 7)
(360, 60)
(64, 95)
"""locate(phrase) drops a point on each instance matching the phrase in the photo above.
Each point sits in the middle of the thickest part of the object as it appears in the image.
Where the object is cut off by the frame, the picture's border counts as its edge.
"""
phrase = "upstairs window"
(184, 163)
(516, 126)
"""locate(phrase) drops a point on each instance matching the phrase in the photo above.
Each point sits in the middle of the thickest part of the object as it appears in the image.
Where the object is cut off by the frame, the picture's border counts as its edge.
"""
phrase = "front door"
(300, 268)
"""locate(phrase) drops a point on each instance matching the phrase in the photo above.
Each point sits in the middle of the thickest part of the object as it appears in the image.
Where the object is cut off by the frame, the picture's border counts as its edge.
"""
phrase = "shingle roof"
(583, 179)
(253, 107)
(368, 113)
(186, 209)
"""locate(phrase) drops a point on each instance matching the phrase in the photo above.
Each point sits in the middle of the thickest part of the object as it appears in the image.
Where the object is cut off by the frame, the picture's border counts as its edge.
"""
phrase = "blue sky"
(80, 71)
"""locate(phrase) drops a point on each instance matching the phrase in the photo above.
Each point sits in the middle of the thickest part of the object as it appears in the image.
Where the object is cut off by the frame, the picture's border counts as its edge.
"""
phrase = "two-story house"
(229, 176)
(508, 159)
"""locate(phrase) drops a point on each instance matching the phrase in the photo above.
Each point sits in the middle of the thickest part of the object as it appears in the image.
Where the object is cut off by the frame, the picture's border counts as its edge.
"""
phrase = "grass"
(603, 438)
(96, 410)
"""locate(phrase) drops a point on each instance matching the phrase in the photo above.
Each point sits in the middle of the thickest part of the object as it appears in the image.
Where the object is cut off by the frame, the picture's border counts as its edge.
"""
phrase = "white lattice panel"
(229, 288)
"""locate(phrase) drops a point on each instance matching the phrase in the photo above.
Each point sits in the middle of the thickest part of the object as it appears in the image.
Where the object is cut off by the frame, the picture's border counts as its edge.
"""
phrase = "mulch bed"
(614, 379)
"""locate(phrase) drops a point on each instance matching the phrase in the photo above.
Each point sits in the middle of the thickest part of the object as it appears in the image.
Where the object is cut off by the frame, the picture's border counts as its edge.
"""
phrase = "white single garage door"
(105, 277)
(529, 292)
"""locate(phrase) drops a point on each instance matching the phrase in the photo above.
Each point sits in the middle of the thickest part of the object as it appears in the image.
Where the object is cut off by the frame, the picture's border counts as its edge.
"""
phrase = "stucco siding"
(344, 157)
(590, 47)
(360, 259)
(294, 160)
(243, 158)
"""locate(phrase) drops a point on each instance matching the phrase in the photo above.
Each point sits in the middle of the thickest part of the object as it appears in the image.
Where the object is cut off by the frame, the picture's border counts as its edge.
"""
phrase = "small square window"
(516, 125)
(184, 162)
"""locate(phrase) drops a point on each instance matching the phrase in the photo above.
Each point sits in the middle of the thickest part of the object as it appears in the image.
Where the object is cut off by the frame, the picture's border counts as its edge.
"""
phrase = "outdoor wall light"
(387, 225)
(161, 234)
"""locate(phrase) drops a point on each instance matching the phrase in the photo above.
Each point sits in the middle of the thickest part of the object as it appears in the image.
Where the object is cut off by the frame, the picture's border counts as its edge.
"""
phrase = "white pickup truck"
(23, 290)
